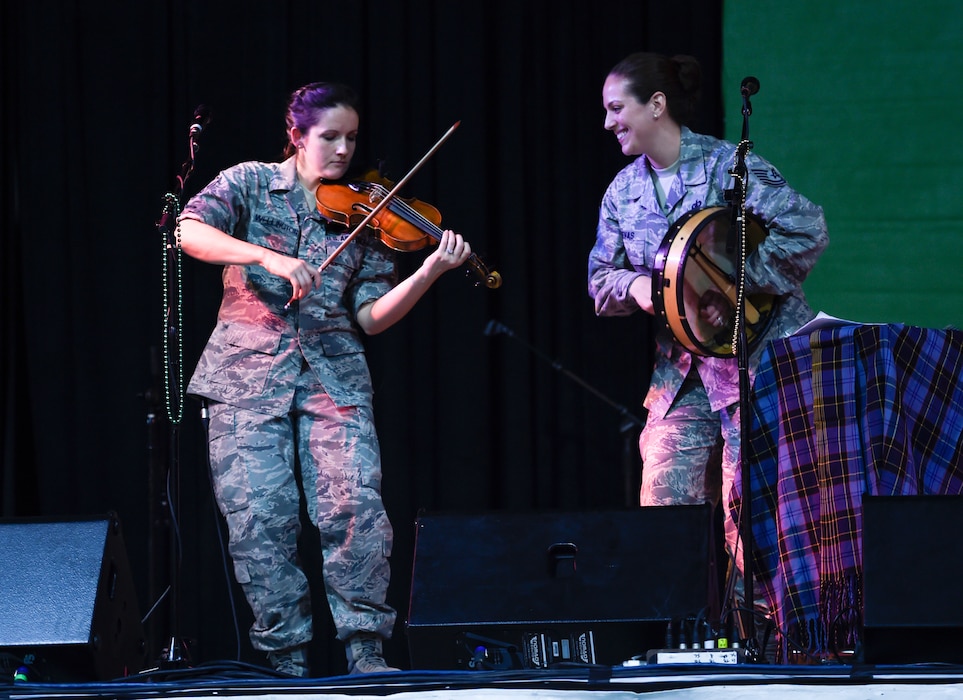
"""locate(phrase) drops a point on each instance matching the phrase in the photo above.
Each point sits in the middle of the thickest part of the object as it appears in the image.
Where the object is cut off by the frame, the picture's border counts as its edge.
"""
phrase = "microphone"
(496, 327)
(201, 119)
(750, 86)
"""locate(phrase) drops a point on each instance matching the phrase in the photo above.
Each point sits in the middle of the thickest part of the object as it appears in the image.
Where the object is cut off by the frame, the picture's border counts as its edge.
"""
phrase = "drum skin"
(691, 261)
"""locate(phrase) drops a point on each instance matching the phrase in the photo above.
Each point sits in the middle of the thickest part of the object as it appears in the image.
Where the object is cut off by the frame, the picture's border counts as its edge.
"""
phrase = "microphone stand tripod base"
(174, 655)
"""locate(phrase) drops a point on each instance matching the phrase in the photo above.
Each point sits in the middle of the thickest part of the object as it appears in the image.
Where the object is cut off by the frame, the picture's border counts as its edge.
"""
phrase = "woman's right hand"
(204, 242)
(302, 276)
(641, 291)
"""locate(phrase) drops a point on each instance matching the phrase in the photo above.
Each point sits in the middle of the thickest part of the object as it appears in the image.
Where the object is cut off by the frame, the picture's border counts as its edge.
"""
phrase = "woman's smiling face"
(630, 120)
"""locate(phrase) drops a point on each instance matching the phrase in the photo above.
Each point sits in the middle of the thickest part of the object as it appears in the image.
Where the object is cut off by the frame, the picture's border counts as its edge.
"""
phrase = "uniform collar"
(286, 176)
(692, 159)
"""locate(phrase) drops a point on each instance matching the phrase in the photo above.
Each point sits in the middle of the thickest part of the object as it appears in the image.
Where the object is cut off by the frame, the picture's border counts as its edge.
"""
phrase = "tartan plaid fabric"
(848, 410)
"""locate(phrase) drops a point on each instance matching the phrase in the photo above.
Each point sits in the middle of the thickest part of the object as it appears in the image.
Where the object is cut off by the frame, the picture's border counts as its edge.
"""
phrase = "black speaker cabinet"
(912, 568)
(69, 610)
(502, 591)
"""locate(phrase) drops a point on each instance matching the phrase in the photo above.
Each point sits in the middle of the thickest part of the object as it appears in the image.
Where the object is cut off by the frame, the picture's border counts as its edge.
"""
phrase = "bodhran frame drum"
(691, 261)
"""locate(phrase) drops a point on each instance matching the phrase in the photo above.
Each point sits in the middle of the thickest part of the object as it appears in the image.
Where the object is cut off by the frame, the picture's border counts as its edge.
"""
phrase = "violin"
(403, 224)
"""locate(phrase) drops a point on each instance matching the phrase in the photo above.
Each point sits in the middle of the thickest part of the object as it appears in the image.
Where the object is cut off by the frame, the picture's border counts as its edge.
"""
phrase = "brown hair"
(678, 77)
(307, 103)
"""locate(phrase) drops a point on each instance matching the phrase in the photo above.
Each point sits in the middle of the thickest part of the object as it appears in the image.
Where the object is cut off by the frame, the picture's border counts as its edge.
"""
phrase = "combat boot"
(293, 662)
(365, 655)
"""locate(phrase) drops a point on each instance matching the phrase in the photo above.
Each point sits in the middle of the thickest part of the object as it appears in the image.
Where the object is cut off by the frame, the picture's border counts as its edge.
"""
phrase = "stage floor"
(675, 681)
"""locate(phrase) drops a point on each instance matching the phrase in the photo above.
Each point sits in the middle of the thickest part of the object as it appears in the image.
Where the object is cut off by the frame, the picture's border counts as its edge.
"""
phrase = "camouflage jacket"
(256, 350)
(632, 226)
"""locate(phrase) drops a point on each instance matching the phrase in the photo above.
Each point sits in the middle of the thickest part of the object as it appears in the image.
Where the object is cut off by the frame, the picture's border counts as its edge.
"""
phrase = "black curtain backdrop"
(97, 101)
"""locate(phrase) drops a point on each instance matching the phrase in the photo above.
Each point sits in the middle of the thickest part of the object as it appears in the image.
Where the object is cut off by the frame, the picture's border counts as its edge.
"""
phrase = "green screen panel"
(860, 107)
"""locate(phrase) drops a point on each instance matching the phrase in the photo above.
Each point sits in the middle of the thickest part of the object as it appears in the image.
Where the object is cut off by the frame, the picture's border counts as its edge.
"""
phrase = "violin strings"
(410, 212)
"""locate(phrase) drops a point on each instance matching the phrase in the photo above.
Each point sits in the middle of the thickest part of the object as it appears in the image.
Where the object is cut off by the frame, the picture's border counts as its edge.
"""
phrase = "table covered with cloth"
(836, 414)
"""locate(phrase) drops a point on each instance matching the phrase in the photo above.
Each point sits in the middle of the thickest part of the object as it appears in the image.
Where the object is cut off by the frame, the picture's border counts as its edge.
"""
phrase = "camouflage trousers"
(253, 461)
(691, 455)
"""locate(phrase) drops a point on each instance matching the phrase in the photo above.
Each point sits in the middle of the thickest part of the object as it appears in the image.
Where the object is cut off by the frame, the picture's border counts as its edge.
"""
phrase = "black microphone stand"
(629, 420)
(737, 234)
(174, 655)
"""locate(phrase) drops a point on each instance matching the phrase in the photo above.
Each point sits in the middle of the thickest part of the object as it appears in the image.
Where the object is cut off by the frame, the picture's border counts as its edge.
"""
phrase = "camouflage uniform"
(291, 387)
(693, 416)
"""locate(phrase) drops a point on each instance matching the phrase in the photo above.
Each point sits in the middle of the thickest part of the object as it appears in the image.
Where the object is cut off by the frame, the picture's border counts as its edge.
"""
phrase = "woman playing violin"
(287, 383)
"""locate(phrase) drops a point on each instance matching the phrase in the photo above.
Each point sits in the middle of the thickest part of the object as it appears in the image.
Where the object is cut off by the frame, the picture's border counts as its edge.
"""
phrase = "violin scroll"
(493, 280)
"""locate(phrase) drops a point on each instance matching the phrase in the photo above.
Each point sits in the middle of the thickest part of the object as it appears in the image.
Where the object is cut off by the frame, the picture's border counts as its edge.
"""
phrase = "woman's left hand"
(452, 252)
(714, 308)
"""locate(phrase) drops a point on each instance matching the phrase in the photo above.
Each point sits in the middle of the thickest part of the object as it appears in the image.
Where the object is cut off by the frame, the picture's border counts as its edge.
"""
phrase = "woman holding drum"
(663, 210)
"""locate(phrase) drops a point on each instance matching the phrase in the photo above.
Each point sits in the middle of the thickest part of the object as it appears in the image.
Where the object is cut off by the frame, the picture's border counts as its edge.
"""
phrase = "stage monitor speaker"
(511, 590)
(69, 609)
(912, 568)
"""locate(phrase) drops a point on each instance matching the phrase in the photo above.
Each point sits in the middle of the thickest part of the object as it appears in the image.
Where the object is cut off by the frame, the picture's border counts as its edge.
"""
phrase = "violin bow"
(387, 198)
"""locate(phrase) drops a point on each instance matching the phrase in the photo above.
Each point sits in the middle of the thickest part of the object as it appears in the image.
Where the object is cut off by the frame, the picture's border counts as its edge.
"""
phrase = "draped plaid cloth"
(846, 411)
